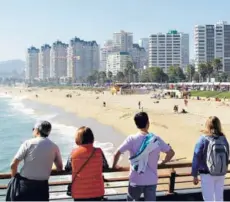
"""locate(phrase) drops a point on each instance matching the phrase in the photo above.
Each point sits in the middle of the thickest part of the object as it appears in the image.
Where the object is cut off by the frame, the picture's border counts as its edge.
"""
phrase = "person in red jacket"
(88, 185)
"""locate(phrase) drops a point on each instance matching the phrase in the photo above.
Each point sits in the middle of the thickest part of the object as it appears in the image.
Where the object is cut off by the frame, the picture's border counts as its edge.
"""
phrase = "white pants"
(212, 187)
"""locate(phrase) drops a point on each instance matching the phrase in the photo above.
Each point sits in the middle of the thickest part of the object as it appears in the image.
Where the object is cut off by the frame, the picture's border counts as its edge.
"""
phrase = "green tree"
(175, 74)
(110, 75)
(217, 65)
(120, 76)
(203, 70)
(91, 79)
(224, 77)
(102, 76)
(190, 70)
(128, 72)
(209, 70)
(196, 77)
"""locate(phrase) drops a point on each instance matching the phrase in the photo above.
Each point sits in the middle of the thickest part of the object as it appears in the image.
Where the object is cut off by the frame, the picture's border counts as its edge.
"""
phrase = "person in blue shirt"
(212, 186)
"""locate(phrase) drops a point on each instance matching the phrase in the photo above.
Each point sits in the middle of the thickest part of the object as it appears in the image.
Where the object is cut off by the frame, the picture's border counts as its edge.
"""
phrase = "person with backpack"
(210, 160)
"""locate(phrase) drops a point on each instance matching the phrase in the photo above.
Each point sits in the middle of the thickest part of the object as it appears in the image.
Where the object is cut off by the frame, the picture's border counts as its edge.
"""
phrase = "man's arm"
(58, 160)
(18, 157)
(116, 158)
(168, 157)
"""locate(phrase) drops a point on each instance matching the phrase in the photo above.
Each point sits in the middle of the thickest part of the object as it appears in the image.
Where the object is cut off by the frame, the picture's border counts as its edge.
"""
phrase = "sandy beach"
(181, 131)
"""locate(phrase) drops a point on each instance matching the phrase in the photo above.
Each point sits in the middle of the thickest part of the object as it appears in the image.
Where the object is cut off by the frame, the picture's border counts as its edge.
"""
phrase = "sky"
(35, 22)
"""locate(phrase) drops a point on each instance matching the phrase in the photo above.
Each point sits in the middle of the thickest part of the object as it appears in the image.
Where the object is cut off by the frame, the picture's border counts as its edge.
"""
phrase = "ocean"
(18, 115)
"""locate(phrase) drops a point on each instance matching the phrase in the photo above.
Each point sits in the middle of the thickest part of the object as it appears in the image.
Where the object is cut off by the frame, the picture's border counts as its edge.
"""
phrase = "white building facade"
(171, 49)
(44, 62)
(117, 62)
(123, 41)
(83, 59)
(212, 41)
(58, 60)
(32, 64)
(104, 52)
(144, 43)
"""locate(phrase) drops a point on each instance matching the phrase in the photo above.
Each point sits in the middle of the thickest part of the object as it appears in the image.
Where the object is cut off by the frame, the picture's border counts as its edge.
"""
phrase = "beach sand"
(181, 131)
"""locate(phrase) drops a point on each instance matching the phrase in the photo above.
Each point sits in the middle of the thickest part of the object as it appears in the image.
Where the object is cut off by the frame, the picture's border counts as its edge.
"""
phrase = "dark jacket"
(13, 188)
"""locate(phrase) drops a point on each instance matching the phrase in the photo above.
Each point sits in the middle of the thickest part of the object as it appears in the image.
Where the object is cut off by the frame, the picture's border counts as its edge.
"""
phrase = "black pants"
(33, 190)
(90, 199)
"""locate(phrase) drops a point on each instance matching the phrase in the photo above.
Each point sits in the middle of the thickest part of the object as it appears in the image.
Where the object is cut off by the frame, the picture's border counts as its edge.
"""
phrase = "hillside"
(12, 67)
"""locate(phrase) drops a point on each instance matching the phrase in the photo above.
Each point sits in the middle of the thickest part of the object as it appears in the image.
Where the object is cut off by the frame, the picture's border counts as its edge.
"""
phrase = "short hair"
(44, 128)
(84, 135)
(141, 120)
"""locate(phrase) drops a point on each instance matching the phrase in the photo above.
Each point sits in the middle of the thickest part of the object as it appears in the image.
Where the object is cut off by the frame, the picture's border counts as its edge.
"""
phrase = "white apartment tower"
(171, 49)
(117, 62)
(83, 58)
(144, 43)
(44, 62)
(104, 52)
(58, 60)
(32, 63)
(213, 41)
(123, 41)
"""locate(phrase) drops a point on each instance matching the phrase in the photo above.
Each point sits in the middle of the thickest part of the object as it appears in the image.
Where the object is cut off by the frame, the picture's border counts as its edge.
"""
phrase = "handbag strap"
(84, 164)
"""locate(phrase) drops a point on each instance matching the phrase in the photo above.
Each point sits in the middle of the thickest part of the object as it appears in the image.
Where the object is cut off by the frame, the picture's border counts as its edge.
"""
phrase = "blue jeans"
(149, 191)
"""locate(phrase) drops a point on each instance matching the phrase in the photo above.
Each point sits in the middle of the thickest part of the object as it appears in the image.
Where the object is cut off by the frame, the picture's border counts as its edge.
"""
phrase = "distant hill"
(12, 67)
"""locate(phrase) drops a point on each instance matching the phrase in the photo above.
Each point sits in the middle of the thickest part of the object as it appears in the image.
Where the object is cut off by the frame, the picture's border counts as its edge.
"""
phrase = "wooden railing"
(170, 173)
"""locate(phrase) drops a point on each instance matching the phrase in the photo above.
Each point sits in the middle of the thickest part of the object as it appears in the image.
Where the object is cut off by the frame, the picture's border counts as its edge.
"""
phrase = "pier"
(174, 184)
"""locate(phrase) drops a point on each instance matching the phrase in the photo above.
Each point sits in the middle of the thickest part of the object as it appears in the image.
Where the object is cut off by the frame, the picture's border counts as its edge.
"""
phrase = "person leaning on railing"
(210, 160)
(38, 154)
(87, 164)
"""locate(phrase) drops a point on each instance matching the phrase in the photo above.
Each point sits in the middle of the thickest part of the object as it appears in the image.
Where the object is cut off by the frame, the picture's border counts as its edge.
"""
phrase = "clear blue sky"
(34, 22)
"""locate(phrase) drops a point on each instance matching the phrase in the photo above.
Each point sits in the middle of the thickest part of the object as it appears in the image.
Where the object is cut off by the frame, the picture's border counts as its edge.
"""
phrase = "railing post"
(172, 181)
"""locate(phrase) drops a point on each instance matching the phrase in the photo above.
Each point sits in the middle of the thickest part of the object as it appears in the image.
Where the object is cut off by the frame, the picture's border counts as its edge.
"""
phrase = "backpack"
(217, 156)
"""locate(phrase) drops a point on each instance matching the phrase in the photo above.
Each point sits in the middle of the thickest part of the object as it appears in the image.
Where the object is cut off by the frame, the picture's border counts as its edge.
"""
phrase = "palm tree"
(209, 70)
(120, 76)
(102, 76)
(190, 71)
(203, 70)
(128, 71)
(217, 65)
(110, 75)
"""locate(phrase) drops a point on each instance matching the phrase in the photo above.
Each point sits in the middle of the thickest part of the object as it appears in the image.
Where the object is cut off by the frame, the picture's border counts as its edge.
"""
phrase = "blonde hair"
(213, 126)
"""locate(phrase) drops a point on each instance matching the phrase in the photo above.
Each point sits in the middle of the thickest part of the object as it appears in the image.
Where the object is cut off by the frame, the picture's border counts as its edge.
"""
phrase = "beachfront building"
(213, 41)
(117, 62)
(123, 41)
(104, 52)
(144, 43)
(83, 59)
(58, 60)
(171, 49)
(139, 56)
(32, 64)
(44, 62)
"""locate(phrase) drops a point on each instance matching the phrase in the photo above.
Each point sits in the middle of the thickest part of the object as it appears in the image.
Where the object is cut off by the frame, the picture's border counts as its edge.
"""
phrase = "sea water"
(18, 116)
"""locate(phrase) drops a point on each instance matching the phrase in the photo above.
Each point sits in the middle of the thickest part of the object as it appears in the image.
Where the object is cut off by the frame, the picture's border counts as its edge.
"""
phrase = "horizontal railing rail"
(168, 180)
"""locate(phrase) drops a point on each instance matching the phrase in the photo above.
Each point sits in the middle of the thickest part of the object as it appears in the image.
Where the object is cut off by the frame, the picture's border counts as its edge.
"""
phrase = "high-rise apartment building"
(104, 52)
(58, 60)
(44, 62)
(144, 43)
(213, 41)
(123, 41)
(117, 62)
(171, 49)
(32, 63)
(139, 56)
(83, 58)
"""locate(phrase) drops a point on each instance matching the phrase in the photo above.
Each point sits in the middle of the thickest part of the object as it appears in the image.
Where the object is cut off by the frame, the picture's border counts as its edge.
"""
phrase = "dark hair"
(84, 135)
(141, 120)
(44, 129)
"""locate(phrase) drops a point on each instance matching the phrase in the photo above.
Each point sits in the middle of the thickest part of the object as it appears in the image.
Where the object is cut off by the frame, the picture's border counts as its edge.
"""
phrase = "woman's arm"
(105, 163)
(197, 156)
(68, 166)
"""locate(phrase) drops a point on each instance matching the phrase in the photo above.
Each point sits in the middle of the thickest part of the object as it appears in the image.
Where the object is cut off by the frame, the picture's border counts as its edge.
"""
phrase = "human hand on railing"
(195, 181)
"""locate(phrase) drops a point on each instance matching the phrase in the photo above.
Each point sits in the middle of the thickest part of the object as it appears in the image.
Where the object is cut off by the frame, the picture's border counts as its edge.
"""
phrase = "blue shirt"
(200, 155)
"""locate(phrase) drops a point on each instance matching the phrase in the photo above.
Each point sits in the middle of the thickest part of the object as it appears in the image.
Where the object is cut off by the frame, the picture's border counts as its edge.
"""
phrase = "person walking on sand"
(139, 104)
(38, 155)
(210, 160)
(144, 148)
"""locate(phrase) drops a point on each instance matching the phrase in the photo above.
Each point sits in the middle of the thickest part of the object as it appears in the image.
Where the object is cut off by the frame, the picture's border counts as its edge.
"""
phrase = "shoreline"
(181, 131)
